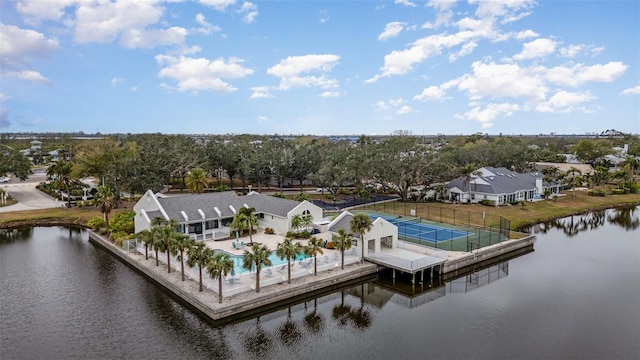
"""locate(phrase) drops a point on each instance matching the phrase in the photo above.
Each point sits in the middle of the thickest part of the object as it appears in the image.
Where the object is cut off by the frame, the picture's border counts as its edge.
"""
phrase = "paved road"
(28, 197)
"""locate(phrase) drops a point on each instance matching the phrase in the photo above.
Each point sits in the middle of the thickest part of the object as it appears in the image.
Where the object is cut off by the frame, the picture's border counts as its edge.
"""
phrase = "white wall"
(149, 203)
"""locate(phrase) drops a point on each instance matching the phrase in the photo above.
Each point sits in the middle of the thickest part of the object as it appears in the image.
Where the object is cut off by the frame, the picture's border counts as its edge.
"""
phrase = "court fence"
(456, 229)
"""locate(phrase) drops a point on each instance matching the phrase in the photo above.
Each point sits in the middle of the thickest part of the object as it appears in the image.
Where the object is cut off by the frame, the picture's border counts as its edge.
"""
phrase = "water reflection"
(572, 225)
(15, 235)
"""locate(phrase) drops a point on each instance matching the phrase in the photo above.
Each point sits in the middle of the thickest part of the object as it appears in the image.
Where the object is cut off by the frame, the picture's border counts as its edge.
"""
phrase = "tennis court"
(412, 228)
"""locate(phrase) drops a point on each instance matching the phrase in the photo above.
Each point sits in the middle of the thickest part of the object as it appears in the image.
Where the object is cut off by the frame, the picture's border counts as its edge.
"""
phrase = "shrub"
(76, 192)
(96, 223)
(122, 223)
(302, 197)
(269, 231)
(619, 191)
(488, 202)
(279, 195)
(305, 234)
(222, 188)
(596, 192)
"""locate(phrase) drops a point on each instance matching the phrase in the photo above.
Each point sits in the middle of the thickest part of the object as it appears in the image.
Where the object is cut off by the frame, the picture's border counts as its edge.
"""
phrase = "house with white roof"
(500, 186)
(208, 216)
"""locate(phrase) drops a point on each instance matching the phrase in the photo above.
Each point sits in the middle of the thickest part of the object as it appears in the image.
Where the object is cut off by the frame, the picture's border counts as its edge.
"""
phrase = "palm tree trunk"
(362, 247)
(168, 261)
(289, 271)
(156, 256)
(342, 265)
(315, 265)
(250, 233)
(146, 252)
(220, 289)
(182, 263)
(200, 271)
(257, 278)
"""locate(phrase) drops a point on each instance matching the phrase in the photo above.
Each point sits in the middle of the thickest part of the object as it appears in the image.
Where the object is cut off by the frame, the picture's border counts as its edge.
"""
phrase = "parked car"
(4, 179)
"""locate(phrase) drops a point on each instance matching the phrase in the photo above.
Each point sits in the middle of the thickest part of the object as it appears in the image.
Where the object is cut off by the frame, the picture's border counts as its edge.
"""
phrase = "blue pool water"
(275, 261)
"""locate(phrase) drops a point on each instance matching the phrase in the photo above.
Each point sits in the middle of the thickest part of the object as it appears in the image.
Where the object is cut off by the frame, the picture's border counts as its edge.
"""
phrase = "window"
(211, 224)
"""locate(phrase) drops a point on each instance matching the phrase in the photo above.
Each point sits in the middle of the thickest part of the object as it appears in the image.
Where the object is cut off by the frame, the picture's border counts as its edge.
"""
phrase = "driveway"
(28, 197)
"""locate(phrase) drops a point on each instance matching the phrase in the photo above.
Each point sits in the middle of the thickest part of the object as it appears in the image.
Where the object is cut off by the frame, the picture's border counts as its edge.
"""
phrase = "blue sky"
(319, 67)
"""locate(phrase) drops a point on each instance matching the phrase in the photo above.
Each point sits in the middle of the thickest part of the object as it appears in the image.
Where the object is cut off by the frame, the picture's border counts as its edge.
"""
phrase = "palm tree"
(181, 242)
(61, 171)
(258, 257)
(197, 181)
(296, 222)
(573, 170)
(168, 235)
(251, 217)
(156, 239)
(219, 266)
(289, 250)
(239, 223)
(342, 241)
(307, 221)
(146, 237)
(630, 164)
(199, 254)
(361, 223)
(313, 249)
(106, 201)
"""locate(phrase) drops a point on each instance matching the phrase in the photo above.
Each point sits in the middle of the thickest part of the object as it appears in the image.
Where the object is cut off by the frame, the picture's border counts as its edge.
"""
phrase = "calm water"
(576, 296)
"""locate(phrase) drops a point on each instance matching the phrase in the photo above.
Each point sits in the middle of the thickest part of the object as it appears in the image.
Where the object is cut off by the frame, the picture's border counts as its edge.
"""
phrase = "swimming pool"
(275, 261)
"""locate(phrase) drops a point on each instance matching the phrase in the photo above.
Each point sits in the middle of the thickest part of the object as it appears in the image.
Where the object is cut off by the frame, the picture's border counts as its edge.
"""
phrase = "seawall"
(488, 253)
(206, 304)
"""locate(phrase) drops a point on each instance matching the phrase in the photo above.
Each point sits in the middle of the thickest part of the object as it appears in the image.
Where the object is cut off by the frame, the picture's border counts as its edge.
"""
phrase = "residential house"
(208, 216)
(500, 186)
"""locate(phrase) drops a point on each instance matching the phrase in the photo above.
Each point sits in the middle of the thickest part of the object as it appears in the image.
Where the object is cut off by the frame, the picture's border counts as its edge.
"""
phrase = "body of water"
(576, 296)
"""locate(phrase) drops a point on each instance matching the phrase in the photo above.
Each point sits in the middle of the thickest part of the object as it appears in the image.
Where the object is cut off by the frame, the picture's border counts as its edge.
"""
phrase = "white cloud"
(249, 11)
(38, 10)
(432, 93)
(260, 92)
(28, 75)
(292, 70)
(405, 3)
(490, 112)
(537, 48)
(381, 105)
(205, 27)
(502, 80)
(20, 45)
(220, 5)
(579, 74)
(195, 74)
(331, 94)
(631, 91)
(263, 119)
(565, 101)
(571, 50)
(405, 109)
(391, 30)
(508, 9)
(526, 34)
(130, 22)
(465, 50)
(115, 81)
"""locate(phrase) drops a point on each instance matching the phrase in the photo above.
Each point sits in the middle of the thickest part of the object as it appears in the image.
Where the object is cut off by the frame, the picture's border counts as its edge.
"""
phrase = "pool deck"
(246, 300)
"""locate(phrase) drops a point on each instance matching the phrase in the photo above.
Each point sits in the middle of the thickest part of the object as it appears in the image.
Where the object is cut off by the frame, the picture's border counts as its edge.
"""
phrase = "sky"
(319, 67)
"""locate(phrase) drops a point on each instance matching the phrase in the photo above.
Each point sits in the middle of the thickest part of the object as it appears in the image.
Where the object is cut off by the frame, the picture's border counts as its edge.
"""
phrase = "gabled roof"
(195, 205)
(343, 221)
(498, 181)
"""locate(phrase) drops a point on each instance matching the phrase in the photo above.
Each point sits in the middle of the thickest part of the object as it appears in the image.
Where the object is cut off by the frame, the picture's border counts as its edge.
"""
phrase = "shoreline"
(77, 220)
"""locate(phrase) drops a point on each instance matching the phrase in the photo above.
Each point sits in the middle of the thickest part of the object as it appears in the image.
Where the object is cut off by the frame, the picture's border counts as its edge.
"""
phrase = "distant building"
(500, 186)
